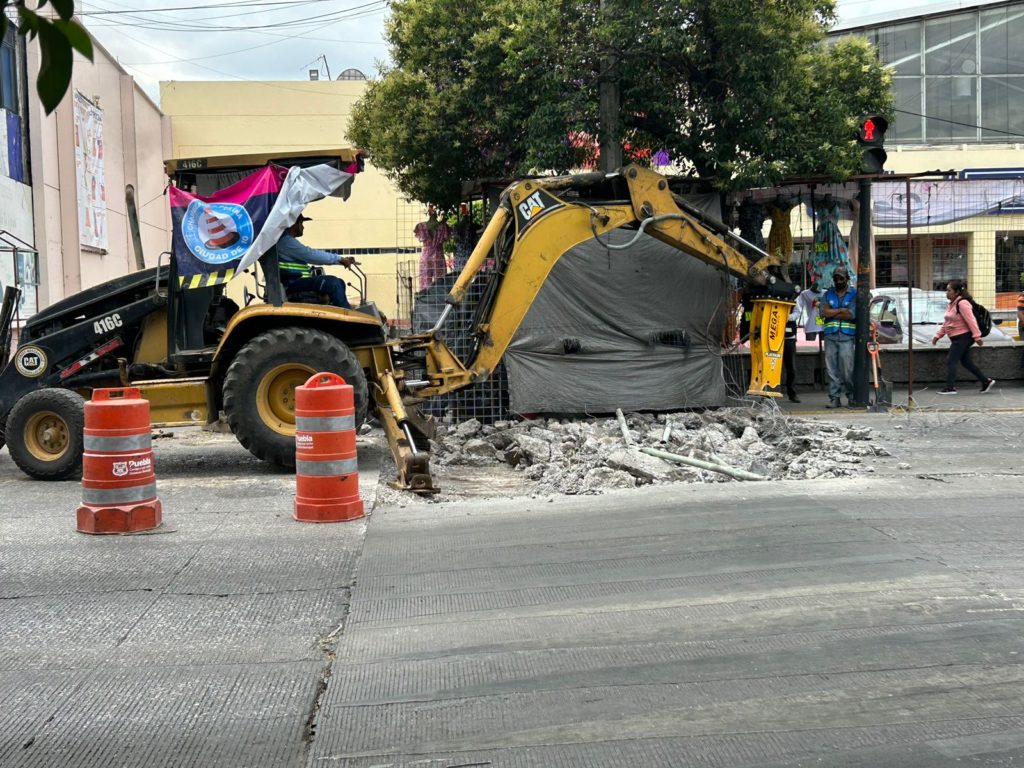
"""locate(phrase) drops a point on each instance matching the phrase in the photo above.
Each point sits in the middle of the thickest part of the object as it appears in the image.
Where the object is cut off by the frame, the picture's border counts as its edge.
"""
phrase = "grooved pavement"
(867, 622)
(861, 622)
(202, 644)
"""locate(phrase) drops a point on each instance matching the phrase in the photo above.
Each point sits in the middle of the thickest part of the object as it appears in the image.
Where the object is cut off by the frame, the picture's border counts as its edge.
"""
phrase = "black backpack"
(981, 316)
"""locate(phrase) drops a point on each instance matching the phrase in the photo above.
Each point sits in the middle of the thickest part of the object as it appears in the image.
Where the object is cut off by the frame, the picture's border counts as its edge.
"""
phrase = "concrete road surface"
(873, 621)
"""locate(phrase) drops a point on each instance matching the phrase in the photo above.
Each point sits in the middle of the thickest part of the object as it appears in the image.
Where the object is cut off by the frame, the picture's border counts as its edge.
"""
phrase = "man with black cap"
(294, 260)
(839, 311)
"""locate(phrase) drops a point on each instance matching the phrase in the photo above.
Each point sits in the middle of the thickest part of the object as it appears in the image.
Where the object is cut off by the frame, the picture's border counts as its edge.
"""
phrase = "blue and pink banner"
(216, 237)
(212, 234)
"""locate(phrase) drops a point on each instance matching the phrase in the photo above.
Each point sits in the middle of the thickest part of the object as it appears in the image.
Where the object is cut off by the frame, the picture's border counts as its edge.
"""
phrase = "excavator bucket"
(767, 336)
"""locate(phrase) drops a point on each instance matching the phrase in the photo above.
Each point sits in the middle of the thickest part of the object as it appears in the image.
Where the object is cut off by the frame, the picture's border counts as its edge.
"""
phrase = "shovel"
(882, 400)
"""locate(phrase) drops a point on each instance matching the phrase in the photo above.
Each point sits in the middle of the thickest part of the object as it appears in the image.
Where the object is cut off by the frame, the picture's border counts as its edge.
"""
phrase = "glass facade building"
(957, 77)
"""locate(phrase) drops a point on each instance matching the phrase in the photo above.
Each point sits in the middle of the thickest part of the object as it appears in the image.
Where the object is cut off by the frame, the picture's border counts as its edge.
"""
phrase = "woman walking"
(962, 329)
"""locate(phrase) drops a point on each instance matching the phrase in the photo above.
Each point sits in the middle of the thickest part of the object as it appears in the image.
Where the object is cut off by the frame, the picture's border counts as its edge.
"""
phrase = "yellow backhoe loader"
(194, 355)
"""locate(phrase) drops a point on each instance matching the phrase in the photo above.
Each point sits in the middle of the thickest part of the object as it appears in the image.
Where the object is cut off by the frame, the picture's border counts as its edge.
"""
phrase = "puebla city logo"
(217, 233)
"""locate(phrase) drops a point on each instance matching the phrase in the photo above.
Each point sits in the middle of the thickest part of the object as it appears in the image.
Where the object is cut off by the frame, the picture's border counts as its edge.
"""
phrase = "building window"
(891, 263)
(964, 71)
(1002, 29)
(909, 122)
(949, 261)
(951, 46)
(1002, 108)
(9, 72)
(1009, 261)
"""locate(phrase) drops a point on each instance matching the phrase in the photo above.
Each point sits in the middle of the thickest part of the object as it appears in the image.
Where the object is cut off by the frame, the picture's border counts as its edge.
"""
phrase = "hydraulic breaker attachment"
(412, 461)
(767, 337)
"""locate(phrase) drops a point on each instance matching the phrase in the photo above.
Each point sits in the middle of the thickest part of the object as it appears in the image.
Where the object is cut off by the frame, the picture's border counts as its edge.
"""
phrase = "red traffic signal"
(871, 130)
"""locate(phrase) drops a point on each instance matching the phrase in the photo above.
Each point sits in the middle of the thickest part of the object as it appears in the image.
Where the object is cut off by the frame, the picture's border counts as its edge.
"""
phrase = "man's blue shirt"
(290, 249)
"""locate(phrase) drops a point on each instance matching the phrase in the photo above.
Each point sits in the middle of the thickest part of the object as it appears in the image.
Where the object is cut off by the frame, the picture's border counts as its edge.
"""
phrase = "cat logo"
(534, 204)
(533, 207)
(31, 362)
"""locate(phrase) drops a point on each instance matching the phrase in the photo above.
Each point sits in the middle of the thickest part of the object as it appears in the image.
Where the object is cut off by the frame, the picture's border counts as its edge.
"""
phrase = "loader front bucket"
(767, 337)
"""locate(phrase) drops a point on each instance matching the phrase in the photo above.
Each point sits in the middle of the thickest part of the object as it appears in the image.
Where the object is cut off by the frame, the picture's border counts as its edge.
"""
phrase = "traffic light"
(871, 137)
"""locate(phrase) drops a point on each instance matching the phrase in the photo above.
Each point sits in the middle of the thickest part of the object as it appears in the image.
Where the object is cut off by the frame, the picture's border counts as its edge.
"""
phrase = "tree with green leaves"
(746, 92)
(59, 35)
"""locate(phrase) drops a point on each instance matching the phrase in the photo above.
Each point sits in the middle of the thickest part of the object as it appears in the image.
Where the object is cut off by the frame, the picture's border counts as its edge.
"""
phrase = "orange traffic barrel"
(118, 478)
(326, 472)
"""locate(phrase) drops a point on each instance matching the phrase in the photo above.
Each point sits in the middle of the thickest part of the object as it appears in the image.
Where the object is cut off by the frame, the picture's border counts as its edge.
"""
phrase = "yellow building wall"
(221, 118)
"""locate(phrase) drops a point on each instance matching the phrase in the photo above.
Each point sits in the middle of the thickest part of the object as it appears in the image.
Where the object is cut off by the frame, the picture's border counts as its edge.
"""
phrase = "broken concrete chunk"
(640, 465)
(477, 449)
(535, 471)
(530, 449)
(748, 437)
(603, 478)
(467, 429)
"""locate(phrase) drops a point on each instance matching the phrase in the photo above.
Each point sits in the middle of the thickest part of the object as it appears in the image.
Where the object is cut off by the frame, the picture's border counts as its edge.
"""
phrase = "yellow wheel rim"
(46, 436)
(275, 396)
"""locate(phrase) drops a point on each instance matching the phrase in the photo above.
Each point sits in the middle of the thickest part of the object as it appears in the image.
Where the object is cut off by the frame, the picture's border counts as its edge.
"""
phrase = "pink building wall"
(136, 140)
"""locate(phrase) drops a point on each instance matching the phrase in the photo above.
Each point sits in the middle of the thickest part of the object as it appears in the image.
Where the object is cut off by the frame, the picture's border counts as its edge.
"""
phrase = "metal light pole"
(860, 357)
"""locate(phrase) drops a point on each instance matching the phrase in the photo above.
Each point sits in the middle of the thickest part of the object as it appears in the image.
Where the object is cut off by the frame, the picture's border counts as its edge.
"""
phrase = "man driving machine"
(295, 260)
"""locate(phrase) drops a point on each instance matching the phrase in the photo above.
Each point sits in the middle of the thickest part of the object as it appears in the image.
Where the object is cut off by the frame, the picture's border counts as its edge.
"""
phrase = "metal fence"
(927, 230)
(486, 401)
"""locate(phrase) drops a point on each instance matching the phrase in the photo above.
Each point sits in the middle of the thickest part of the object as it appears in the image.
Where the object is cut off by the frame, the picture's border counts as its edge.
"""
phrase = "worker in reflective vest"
(839, 311)
(294, 260)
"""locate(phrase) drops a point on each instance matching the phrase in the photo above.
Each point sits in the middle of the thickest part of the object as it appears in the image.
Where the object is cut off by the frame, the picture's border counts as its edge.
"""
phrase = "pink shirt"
(958, 322)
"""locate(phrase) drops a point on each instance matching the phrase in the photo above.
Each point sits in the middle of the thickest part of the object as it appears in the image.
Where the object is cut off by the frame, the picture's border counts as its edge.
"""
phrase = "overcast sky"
(265, 39)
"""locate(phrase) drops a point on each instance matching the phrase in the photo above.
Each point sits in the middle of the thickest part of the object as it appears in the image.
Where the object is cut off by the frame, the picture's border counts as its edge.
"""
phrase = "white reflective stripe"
(324, 423)
(106, 444)
(119, 495)
(326, 468)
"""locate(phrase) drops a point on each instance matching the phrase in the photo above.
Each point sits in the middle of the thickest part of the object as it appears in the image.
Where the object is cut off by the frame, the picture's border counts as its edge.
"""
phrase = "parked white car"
(889, 309)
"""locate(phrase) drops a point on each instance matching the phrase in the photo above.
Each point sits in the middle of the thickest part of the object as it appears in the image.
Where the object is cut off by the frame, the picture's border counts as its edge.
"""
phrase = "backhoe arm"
(537, 222)
(546, 226)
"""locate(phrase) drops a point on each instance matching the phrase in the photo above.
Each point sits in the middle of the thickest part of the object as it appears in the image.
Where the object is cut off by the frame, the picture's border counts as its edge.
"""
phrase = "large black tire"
(44, 434)
(259, 388)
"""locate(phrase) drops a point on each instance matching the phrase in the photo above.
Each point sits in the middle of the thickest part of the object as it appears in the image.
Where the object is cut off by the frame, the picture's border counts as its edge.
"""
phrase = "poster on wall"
(28, 281)
(92, 196)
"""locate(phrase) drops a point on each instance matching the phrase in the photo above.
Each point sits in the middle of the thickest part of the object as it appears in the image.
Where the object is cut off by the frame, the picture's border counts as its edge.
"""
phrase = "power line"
(138, 19)
(181, 26)
(306, 35)
(225, 73)
(210, 6)
(964, 125)
(278, 39)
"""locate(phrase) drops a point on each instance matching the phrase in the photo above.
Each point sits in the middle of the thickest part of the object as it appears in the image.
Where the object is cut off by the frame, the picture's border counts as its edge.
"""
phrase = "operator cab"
(197, 315)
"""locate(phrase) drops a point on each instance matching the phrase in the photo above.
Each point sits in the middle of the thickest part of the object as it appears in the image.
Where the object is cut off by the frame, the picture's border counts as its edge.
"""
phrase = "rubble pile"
(589, 456)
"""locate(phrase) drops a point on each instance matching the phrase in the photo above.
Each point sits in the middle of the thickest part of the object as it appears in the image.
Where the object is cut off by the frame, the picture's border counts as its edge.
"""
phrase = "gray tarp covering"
(614, 303)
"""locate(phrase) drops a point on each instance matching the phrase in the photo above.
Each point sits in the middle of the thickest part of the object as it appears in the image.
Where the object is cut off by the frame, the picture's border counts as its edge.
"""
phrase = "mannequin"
(433, 234)
(830, 250)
